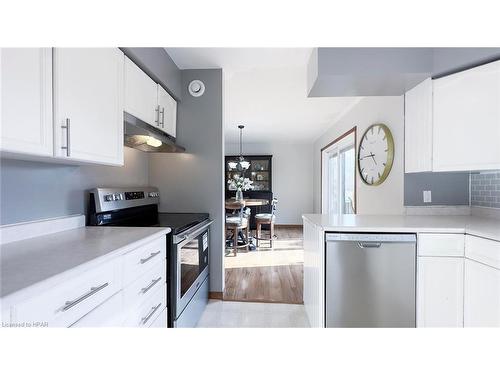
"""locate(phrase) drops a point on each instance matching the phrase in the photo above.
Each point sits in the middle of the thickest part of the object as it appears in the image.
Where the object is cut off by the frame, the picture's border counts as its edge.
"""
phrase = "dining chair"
(266, 219)
(235, 224)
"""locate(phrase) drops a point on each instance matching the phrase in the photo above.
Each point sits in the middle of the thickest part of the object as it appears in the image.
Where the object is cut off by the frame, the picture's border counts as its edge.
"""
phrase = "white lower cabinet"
(143, 315)
(102, 296)
(109, 314)
(440, 291)
(458, 281)
(482, 295)
(160, 321)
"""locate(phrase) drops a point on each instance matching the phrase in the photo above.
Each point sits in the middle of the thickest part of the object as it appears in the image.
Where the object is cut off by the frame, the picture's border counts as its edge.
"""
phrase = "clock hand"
(367, 156)
(372, 155)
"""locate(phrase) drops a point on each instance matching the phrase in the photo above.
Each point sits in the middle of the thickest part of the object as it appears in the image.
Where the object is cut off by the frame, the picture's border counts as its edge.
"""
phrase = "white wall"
(292, 176)
(388, 197)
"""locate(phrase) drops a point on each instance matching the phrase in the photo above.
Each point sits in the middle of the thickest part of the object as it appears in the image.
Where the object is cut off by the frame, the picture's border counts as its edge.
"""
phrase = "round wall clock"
(375, 154)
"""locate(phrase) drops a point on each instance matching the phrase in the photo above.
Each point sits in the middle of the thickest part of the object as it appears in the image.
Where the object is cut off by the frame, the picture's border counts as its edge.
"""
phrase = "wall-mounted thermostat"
(196, 88)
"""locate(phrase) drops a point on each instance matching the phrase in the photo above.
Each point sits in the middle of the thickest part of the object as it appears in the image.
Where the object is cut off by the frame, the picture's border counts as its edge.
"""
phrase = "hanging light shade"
(242, 164)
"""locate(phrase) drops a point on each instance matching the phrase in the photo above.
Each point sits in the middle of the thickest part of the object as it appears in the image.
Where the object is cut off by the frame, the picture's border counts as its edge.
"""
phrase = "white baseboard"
(30, 229)
(438, 210)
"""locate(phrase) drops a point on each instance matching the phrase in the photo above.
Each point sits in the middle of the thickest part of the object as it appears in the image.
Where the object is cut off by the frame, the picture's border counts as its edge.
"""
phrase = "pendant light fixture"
(242, 165)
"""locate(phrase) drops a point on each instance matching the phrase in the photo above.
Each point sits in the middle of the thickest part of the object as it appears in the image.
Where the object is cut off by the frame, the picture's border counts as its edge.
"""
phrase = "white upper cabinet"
(26, 101)
(466, 120)
(418, 128)
(141, 96)
(168, 112)
(88, 104)
(148, 101)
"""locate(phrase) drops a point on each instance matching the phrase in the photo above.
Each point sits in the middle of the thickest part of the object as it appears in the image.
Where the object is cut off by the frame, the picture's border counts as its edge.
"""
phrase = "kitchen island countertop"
(474, 225)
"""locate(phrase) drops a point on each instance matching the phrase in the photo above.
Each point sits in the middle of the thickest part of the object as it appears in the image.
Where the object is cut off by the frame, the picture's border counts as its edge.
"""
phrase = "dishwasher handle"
(369, 245)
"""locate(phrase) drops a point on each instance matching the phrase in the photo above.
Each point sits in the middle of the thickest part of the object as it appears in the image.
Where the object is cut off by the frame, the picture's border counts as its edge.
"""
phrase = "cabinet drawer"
(441, 244)
(64, 304)
(483, 250)
(145, 286)
(144, 258)
(143, 315)
(160, 321)
(108, 314)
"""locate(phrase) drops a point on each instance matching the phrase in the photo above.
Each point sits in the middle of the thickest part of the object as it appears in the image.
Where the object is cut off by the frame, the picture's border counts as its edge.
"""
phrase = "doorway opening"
(338, 175)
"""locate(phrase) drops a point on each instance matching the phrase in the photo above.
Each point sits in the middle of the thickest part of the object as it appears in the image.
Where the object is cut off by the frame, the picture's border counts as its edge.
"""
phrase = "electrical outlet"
(427, 196)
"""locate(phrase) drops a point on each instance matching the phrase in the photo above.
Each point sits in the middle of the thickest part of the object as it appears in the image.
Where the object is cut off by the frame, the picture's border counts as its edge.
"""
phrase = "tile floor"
(227, 314)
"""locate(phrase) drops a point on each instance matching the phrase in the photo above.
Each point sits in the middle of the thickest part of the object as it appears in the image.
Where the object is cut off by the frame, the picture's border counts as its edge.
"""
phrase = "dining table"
(233, 204)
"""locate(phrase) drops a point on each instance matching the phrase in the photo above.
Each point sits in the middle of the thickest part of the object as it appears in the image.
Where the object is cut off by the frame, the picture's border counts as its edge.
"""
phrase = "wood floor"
(268, 274)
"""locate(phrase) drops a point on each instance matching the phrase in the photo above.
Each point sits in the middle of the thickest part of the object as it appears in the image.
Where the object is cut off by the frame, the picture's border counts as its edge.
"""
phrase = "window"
(338, 174)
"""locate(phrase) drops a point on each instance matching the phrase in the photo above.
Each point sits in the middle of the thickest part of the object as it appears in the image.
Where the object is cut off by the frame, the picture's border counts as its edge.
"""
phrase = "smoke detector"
(196, 88)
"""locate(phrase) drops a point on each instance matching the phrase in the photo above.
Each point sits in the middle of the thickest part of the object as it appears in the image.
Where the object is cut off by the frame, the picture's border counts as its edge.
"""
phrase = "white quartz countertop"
(475, 225)
(31, 261)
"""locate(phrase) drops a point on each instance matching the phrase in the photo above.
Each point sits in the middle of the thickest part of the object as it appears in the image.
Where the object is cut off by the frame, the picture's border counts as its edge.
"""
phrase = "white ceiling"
(265, 90)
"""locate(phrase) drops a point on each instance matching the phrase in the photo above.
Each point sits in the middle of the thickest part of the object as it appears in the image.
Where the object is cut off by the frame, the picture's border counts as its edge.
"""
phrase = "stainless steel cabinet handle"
(147, 317)
(150, 257)
(69, 304)
(153, 283)
(162, 112)
(68, 138)
(157, 116)
(366, 245)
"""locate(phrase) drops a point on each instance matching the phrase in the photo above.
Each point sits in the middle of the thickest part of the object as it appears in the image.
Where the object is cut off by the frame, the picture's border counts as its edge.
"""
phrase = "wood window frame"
(338, 139)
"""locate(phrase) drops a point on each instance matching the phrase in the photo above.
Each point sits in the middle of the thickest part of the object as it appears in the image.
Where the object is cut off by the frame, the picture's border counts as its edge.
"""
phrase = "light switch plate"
(427, 196)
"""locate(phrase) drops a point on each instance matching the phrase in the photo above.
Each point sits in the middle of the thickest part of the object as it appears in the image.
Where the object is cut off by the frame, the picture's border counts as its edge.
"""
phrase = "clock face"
(375, 154)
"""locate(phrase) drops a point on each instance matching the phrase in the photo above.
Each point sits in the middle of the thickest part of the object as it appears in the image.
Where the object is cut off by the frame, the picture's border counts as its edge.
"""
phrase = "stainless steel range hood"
(142, 136)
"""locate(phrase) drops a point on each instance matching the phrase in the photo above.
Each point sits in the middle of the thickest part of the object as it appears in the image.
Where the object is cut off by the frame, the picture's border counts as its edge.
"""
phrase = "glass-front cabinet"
(259, 172)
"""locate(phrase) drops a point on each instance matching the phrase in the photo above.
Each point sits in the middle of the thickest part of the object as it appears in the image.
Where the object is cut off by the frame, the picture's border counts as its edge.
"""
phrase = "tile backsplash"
(485, 189)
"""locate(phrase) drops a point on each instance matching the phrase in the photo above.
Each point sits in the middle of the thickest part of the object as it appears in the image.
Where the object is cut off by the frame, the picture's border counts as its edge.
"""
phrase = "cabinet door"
(26, 101)
(140, 94)
(482, 295)
(440, 292)
(418, 128)
(88, 99)
(466, 120)
(168, 112)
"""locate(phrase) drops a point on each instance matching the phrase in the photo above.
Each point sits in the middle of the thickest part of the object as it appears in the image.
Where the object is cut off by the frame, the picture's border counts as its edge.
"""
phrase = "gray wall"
(193, 181)
(451, 60)
(386, 71)
(159, 65)
(34, 190)
(448, 188)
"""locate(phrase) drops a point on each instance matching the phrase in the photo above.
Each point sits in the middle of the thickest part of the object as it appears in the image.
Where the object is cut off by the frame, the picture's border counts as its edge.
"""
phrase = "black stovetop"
(178, 221)
(148, 216)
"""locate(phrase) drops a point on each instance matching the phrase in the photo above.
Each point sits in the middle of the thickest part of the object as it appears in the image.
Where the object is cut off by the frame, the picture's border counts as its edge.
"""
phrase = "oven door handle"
(184, 238)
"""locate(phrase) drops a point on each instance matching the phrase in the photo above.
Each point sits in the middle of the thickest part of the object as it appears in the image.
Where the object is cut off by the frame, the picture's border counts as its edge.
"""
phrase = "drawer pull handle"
(69, 304)
(150, 257)
(153, 283)
(147, 317)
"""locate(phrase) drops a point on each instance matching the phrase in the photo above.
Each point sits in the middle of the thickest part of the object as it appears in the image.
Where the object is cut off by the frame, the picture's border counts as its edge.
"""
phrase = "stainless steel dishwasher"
(370, 280)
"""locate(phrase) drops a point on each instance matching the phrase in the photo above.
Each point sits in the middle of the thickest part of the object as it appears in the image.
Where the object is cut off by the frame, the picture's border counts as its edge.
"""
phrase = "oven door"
(192, 267)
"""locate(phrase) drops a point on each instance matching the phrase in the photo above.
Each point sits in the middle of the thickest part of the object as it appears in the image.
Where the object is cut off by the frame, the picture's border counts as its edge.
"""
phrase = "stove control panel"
(130, 195)
(110, 199)
(114, 197)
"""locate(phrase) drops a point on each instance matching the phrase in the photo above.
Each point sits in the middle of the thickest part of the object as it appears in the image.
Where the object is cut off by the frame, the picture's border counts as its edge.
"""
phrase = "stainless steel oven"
(190, 272)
